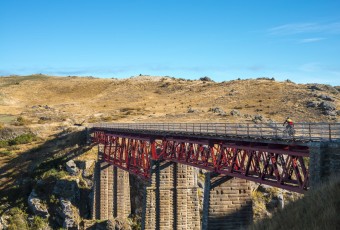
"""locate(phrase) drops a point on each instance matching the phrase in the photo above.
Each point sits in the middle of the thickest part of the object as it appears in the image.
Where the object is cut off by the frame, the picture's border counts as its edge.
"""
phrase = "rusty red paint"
(277, 165)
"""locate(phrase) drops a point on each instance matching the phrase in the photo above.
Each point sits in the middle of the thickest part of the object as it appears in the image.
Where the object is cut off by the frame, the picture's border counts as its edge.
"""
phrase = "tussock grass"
(6, 119)
(5, 153)
(81, 98)
(318, 209)
(19, 140)
(23, 139)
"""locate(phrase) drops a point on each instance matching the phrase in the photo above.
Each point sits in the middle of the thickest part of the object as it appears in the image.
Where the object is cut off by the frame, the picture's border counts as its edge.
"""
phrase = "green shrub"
(23, 139)
(3, 144)
(39, 223)
(53, 199)
(54, 173)
(17, 220)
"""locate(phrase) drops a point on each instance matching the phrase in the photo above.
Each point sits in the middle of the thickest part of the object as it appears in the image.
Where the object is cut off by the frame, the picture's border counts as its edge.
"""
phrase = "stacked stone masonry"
(111, 192)
(230, 205)
(324, 161)
(172, 198)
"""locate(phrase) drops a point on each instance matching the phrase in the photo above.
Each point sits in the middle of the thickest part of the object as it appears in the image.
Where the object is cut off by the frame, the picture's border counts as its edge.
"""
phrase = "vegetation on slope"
(39, 167)
(318, 209)
(164, 99)
(56, 103)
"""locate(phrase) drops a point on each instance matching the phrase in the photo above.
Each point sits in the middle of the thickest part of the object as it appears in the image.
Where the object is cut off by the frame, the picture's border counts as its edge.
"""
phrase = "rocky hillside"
(46, 168)
(46, 99)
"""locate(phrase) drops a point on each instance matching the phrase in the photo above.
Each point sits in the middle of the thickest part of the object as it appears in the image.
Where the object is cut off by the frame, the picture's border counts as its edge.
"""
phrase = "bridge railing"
(303, 131)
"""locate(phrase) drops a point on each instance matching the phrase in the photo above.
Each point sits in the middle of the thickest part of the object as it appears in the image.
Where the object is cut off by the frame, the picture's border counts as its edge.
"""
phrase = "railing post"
(276, 134)
(330, 132)
(248, 130)
(310, 132)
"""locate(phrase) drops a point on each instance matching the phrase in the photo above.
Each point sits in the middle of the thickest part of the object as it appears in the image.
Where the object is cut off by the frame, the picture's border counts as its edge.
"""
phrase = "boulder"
(328, 108)
(312, 104)
(69, 214)
(325, 97)
(315, 87)
(89, 163)
(4, 222)
(235, 112)
(257, 118)
(71, 168)
(11, 133)
(247, 115)
(118, 224)
(216, 110)
(67, 190)
(330, 113)
(36, 205)
(322, 87)
(86, 167)
(191, 110)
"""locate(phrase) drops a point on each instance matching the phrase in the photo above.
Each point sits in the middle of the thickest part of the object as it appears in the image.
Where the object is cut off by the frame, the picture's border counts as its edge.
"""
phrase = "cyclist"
(289, 126)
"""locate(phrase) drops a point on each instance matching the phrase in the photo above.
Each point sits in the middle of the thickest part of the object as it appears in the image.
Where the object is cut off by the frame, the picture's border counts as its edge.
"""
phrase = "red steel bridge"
(262, 153)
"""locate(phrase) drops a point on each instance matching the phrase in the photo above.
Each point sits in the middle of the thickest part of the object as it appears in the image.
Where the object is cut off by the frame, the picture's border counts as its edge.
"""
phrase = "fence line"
(303, 131)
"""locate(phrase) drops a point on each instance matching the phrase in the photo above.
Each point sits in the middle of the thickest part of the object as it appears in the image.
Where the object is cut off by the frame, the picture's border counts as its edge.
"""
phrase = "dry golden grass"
(52, 104)
(156, 99)
(318, 209)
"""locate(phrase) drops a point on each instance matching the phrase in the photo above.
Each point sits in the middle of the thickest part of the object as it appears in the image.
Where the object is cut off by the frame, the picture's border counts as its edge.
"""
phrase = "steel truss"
(278, 165)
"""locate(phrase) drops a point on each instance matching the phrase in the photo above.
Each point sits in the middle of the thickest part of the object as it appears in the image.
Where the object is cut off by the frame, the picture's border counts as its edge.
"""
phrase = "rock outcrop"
(69, 214)
(71, 168)
(328, 108)
(36, 205)
(325, 97)
(67, 189)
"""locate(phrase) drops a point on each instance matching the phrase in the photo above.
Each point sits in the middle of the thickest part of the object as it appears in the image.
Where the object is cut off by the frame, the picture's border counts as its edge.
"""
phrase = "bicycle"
(289, 131)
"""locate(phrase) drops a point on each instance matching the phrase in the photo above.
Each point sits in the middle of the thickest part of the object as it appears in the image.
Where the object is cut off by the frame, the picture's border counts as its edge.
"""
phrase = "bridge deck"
(304, 132)
(255, 152)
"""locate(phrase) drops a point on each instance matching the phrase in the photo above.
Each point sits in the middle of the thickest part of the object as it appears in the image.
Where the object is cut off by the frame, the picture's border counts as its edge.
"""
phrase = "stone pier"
(227, 202)
(111, 191)
(171, 200)
(324, 161)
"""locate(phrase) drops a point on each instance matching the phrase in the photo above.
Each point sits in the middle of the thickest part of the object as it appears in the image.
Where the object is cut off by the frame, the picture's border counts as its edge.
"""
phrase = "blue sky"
(222, 39)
